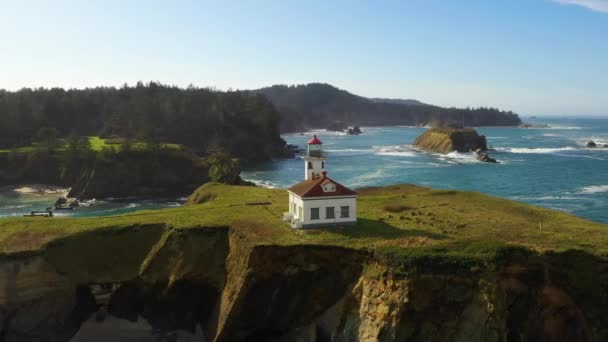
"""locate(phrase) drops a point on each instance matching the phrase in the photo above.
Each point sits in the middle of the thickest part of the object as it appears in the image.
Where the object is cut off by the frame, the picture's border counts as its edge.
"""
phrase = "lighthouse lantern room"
(319, 201)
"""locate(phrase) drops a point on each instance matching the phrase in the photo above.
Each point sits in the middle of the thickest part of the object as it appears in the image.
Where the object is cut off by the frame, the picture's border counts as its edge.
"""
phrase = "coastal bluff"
(419, 265)
(446, 140)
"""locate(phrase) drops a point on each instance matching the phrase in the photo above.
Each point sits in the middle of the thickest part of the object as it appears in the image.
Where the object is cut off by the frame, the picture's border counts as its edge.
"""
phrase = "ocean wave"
(457, 157)
(262, 183)
(26, 190)
(38, 189)
(563, 127)
(600, 141)
(593, 189)
(322, 132)
(396, 151)
(350, 150)
(14, 206)
(533, 150)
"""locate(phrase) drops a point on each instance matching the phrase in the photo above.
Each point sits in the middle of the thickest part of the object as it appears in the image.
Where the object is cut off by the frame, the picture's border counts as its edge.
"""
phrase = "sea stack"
(446, 140)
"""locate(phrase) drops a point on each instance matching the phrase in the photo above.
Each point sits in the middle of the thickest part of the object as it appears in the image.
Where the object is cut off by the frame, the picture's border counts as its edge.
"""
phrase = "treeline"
(203, 119)
(318, 105)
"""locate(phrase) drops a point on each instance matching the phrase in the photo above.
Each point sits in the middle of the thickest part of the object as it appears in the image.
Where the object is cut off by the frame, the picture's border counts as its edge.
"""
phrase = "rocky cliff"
(210, 281)
(192, 278)
(446, 140)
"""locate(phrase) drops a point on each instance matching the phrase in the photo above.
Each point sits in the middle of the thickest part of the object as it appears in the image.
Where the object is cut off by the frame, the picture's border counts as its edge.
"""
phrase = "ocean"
(21, 200)
(549, 167)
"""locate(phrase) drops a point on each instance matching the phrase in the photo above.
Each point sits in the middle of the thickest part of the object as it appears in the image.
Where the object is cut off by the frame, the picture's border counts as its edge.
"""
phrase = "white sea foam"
(350, 150)
(564, 127)
(262, 183)
(41, 190)
(593, 189)
(534, 150)
(26, 190)
(13, 207)
(396, 151)
(457, 157)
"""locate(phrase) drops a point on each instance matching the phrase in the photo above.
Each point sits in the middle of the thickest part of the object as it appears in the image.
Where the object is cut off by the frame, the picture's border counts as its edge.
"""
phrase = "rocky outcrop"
(591, 144)
(483, 156)
(446, 140)
(529, 125)
(215, 284)
(353, 130)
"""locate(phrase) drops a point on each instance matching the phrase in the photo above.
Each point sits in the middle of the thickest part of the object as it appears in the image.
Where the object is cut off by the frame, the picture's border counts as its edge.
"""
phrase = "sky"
(535, 57)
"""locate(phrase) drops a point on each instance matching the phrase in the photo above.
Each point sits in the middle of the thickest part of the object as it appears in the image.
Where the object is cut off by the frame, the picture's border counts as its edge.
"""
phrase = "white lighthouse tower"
(319, 201)
(314, 159)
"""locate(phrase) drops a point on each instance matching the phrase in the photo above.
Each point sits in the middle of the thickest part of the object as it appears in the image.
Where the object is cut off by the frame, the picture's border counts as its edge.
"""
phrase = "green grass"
(430, 226)
(97, 144)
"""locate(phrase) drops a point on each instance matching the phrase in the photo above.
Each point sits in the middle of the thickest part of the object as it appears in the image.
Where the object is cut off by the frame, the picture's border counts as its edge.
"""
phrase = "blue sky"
(535, 57)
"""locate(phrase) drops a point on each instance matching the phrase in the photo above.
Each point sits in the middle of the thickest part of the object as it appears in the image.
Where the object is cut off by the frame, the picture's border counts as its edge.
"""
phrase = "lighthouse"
(319, 201)
(314, 159)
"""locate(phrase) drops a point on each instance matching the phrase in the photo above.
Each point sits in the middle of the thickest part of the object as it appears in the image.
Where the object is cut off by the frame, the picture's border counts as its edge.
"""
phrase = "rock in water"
(353, 130)
(484, 157)
(446, 140)
(591, 144)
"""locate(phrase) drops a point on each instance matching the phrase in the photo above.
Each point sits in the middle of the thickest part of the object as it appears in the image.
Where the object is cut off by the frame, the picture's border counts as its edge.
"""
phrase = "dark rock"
(591, 144)
(66, 203)
(605, 145)
(484, 157)
(529, 125)
(354, 130)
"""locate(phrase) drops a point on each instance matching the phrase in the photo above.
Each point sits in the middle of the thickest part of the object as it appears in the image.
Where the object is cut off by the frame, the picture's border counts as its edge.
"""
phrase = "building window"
(314, 213)
(293, 208)
(329, 213)
(310, 165)
(344, 211)
(322, 164)
(300, 216)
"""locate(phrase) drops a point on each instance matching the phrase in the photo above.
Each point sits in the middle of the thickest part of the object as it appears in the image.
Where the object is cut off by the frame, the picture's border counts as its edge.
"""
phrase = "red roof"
(314, 141)
(314, 188)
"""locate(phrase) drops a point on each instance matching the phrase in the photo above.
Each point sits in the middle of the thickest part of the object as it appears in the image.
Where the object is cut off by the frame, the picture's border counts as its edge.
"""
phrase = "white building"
(319, 201)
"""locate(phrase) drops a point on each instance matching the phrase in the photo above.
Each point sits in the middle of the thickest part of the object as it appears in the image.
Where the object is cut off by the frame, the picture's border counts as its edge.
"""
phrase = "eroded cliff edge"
(244, 281)
(209, 278)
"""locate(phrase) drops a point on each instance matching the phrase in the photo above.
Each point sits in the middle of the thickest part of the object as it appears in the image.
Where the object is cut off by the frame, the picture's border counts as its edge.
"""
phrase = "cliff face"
(446, 140)
(213, 282)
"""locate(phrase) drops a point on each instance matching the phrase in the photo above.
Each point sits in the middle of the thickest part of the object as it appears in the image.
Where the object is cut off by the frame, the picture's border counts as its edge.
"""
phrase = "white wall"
(317, 167)
(330, 202)
(299, 204)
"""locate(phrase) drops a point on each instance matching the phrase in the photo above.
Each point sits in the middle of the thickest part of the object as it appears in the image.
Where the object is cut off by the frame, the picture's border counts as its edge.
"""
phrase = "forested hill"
(239, 123)
(318, 105)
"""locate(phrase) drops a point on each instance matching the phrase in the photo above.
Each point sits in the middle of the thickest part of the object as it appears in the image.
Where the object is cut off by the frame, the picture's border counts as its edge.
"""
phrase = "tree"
(222, 168)
(48, 137)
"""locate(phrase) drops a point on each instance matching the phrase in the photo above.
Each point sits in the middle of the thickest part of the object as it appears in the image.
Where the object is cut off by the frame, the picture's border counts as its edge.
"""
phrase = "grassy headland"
(406, 223)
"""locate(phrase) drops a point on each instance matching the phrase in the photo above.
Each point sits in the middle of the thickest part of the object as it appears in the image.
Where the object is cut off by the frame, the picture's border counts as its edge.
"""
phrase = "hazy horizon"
(539, 57)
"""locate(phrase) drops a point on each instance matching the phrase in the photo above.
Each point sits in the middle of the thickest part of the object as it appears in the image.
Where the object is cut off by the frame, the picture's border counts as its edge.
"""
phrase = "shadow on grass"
(366, 228)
